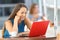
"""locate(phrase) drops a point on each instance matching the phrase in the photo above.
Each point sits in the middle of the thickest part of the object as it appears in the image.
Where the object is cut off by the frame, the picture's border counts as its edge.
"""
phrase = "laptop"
(37, 29)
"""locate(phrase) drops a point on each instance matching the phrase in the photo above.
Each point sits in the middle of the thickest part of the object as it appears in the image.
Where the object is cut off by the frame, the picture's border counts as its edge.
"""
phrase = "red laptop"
(38, 28)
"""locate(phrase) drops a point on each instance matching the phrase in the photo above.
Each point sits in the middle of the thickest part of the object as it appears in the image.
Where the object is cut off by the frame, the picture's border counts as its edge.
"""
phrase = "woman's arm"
(23, 33)
(51, 23)
(28, 22)
(14, 27)
(10, 27)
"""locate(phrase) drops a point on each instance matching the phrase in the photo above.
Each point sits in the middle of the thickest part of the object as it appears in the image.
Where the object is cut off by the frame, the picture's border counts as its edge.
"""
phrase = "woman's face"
(22, 13)
(36, 9)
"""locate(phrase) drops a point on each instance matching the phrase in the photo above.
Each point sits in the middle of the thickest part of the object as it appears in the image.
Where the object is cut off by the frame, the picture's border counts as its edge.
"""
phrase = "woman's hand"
(16, 21)
(22, 33)
(16, 18)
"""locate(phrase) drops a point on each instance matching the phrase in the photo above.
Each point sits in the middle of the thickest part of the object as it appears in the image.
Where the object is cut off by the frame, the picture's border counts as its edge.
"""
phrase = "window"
(8, 11)
(58, 15)
(11, 1)
(50, 14)
(1, 12)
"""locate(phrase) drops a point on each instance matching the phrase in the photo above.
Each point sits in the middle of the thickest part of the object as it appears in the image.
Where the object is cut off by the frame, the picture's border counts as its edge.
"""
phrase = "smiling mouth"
(22, 18)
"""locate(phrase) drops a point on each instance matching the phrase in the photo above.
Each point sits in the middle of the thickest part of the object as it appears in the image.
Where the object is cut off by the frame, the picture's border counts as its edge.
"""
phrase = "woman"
(34, 13)
(17, 20)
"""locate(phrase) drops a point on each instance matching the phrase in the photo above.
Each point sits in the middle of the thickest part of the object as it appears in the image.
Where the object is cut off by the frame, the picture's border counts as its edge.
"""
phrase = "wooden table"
(30, 38)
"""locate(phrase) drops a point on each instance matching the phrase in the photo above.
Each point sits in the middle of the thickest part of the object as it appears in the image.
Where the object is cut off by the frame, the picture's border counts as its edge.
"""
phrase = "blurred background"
(51, 8)
(6, 7)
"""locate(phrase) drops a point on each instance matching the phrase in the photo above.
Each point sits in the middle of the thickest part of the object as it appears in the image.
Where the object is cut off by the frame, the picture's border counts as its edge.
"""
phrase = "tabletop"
(29, 38)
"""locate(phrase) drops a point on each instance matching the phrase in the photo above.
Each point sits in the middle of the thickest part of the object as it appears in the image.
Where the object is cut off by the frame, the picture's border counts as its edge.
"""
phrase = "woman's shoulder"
(30, 14)
(7, 21)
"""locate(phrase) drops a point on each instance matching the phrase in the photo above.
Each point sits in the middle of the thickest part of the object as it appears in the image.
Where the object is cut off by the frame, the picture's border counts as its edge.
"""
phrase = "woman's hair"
(32, 8)
(16, 9)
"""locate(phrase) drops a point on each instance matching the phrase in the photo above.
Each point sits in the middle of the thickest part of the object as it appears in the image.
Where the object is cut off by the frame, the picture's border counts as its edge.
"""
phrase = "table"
(30, 38)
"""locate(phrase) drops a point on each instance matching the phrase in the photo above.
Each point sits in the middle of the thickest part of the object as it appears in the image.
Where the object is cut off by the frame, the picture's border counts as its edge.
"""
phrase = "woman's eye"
(23, 12)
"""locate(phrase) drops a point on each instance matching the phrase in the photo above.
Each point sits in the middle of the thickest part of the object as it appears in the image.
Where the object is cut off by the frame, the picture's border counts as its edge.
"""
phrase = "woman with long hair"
(16, 21)
(34, 13)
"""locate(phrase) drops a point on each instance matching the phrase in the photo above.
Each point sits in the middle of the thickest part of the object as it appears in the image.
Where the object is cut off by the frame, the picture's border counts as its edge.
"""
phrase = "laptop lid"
(38, 28)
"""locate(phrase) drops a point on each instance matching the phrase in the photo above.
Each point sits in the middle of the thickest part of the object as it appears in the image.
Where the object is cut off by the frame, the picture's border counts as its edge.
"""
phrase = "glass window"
(58, 17)
(1, 12)
(11, 1)
(50, 14)
(8, 11)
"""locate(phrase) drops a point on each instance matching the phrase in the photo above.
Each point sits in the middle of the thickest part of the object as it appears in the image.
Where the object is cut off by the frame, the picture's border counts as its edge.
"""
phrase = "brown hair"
(32, 7)
(16, 9)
